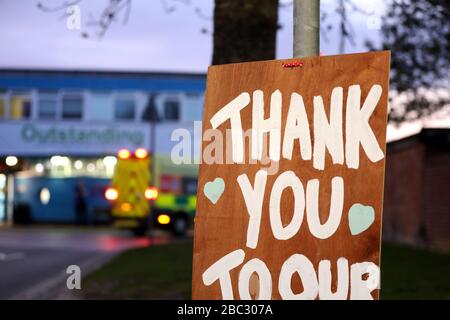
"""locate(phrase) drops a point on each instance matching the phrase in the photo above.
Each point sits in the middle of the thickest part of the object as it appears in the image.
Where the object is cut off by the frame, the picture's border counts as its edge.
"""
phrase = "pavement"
(34, 260)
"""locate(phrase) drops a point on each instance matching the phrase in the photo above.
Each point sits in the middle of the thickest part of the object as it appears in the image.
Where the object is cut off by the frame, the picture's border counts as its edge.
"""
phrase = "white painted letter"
(264, 277)
(253, 198)
(326, 230)
(232, 111)
(326, 134)
(357, 126)
(271, 125)
(284, 180)
(360, 288)
(221, 270)
(297, 127)
(305, 269)
(325, 280)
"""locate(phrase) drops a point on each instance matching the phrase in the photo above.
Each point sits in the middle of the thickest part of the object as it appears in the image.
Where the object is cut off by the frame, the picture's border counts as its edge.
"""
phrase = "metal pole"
(306, 28)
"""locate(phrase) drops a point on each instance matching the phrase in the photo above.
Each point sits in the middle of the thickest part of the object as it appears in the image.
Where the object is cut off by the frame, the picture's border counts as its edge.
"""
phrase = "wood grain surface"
(221, 228)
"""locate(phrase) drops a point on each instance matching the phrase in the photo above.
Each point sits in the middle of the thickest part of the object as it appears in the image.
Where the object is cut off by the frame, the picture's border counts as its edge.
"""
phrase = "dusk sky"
(152, 39)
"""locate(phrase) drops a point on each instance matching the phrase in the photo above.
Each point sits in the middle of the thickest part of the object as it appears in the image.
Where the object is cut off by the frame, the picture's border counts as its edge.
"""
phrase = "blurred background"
(92, 91)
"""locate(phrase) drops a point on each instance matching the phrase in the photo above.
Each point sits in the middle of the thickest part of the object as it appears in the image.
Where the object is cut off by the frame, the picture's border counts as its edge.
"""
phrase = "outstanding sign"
(70, 138)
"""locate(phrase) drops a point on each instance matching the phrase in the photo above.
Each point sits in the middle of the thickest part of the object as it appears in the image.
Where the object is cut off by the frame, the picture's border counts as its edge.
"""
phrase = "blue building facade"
(70, 124)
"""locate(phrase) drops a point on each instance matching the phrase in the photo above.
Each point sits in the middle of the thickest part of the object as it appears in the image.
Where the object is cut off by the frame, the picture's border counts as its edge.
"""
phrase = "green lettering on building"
(31, 133)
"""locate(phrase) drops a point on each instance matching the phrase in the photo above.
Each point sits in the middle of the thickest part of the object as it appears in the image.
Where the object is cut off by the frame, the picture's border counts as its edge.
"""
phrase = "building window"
(47, 108)
(99, 107)
(124, 109)
(72, 106)
(192, 107)
(171, 110)
(20, 105)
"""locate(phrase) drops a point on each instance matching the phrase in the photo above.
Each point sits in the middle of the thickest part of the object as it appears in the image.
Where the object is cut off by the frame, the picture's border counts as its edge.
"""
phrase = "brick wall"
(437, 193)
(403, 214)
(417, 191)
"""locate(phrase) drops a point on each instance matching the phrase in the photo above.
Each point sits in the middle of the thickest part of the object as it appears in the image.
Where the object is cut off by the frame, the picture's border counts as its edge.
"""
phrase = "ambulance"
(140, 201)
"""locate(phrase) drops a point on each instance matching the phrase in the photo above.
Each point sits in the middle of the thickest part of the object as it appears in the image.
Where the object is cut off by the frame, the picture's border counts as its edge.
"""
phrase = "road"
(33, 260)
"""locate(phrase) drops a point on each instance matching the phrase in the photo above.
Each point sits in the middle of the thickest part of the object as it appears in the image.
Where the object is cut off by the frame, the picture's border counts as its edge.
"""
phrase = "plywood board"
(283, 226)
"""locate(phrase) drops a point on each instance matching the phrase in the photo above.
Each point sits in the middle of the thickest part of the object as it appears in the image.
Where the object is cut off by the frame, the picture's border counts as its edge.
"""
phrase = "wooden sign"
(290, 187)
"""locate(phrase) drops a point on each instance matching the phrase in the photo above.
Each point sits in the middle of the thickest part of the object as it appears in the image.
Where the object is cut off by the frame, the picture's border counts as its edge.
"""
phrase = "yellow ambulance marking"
(131, 178)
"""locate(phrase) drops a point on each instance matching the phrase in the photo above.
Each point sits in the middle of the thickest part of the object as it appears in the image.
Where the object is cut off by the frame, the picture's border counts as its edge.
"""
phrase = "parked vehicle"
(137, 205)
(45, 199)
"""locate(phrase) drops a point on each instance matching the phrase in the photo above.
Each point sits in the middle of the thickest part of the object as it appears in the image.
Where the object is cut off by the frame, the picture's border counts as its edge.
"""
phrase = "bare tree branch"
(62, 6)
(119, 9)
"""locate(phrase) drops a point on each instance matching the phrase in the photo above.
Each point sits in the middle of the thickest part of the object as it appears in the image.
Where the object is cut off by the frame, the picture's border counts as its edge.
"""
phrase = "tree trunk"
(244, 30)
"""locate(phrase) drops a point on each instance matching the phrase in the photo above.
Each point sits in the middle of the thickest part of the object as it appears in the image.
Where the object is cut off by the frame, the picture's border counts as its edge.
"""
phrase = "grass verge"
(164, 272)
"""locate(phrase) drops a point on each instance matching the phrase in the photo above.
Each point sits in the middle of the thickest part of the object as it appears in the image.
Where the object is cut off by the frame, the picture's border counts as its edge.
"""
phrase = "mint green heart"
(360, 218)
(213, 189)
